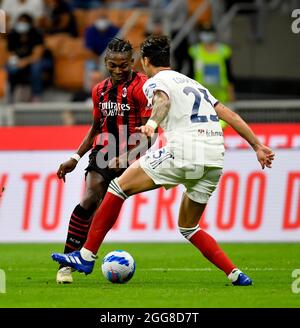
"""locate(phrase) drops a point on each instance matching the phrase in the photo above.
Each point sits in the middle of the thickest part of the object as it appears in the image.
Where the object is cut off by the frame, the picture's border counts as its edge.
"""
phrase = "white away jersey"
(192, 127)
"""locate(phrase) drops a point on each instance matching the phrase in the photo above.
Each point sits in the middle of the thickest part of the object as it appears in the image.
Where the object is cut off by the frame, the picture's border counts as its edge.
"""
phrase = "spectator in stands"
(86, 4)
(141, 3)
(14, 8)
(212, 65)
(59, 18)
(128, 3)
(98, 35)
(28, 59)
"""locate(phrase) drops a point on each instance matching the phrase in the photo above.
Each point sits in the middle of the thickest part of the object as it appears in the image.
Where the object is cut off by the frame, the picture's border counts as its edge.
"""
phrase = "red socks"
(104, 219)
(212, 251)
(108, 213)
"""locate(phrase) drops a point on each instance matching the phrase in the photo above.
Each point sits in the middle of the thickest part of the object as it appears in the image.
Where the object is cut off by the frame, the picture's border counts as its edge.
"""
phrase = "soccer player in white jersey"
(193, 157)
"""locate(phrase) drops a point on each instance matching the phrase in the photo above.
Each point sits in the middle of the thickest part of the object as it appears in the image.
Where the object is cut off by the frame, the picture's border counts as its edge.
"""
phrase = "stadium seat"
(137, 33)
(3, 59)
(55, 43)
(81, 17)
(3, 50)
(73, 47)
(69, 73)
(205, 19)
(70, 54)
(2, 82)
(69, 58)
(117, 16)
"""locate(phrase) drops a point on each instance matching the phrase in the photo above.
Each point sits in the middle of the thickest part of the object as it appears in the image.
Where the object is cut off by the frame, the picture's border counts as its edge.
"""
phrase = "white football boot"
(64, 275)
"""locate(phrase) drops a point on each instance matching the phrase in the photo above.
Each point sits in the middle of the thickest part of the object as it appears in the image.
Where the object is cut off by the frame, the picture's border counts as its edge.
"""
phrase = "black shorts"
(107, 173)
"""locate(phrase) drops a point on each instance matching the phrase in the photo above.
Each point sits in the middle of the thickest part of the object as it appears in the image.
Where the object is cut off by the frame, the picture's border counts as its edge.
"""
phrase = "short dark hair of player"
(157, 50)
(119, 45)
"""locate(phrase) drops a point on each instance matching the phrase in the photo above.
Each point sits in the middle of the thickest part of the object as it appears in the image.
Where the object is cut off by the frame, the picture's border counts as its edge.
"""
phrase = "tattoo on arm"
(161, 106)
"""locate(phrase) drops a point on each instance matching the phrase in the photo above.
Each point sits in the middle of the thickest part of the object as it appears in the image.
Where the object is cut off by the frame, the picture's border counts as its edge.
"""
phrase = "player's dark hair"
(157, 50)
(119, 45)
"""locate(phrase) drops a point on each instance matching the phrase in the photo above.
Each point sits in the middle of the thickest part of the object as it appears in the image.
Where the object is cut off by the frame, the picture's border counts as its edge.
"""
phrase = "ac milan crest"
(124, 92)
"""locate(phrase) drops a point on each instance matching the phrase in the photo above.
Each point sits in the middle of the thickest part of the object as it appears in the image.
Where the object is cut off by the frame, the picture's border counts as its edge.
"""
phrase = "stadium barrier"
(249, 204)
(51, 113)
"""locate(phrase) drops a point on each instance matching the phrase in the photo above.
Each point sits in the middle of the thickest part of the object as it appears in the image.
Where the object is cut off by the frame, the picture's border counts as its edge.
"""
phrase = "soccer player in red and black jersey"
(119, 107)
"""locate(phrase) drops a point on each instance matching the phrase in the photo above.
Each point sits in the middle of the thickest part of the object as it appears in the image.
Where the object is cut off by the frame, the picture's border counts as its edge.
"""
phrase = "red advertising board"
(249, 204)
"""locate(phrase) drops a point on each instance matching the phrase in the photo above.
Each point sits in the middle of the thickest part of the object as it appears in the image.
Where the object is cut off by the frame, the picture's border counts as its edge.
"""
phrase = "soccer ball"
(118, 266)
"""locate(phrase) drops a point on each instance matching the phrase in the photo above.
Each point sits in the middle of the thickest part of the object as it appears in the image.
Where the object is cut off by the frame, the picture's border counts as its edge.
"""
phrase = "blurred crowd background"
(51, 55)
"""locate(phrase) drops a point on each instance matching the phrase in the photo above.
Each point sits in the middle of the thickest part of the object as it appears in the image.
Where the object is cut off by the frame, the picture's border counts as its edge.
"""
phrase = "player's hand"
(265, 156)
(147, 130)
(65, 168)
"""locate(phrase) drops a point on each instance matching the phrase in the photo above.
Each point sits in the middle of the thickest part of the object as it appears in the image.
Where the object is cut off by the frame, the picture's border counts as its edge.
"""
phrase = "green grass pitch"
(170, 275)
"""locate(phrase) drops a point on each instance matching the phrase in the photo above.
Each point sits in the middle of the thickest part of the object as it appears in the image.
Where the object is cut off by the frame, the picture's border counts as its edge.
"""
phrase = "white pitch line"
(179, 269)
(210, 269)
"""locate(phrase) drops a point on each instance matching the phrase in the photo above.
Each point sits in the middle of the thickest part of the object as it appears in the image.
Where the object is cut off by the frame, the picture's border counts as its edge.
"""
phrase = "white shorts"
(200, 181)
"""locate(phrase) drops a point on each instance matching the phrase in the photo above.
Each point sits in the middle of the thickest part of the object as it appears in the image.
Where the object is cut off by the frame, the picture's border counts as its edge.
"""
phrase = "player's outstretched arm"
(264, 154)
(160, 109)
(87, 143)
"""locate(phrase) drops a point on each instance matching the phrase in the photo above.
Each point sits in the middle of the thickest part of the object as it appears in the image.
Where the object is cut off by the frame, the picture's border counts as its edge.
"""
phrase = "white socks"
(87, 255)
(188, 233)
(234, 274)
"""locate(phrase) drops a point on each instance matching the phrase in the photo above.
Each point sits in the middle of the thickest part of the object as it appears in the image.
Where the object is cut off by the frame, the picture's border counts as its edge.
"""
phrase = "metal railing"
(224, 25)
(44, 113)
(272, 111)
(190, 23)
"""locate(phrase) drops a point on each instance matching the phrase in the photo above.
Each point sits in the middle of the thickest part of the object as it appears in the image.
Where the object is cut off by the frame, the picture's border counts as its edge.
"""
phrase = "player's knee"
(116, 189)
(89, 203)
(92, 198)
(189, 232)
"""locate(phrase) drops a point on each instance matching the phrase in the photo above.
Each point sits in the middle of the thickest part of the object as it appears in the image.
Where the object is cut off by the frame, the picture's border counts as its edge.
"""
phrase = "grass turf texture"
(167, 275)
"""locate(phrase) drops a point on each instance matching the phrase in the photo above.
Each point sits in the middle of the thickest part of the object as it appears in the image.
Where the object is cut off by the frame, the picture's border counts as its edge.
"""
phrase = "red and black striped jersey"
(120, 108)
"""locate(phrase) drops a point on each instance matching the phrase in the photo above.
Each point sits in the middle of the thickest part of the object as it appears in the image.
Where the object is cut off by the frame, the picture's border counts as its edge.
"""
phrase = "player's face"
(119, 66)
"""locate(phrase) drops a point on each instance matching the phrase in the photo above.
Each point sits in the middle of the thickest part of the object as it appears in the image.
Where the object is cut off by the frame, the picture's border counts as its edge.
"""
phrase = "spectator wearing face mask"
(98, 35)
(27, 61)
(15, 8)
